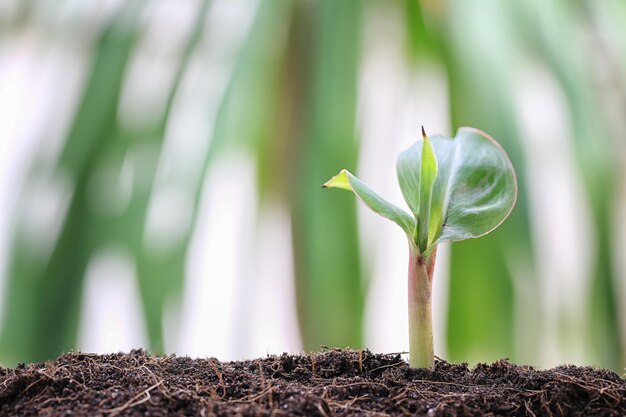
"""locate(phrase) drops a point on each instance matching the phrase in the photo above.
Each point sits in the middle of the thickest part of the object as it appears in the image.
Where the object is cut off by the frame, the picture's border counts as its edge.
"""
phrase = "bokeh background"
(161, 162)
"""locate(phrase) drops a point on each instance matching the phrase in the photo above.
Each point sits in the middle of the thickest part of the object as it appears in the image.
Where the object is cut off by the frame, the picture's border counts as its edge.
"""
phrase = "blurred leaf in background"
(44, 289)
(330, 288)
(483, 302)
(546, 32)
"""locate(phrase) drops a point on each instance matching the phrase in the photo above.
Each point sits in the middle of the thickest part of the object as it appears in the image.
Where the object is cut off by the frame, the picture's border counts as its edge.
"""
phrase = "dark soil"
(334, 383)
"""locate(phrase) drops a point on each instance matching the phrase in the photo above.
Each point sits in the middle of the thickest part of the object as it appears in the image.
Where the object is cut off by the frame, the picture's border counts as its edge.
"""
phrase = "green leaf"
(465, 190)
(428, 175)
(346, 181)
(41, 314)
(407, 167)
(316, 115)
(480, 188)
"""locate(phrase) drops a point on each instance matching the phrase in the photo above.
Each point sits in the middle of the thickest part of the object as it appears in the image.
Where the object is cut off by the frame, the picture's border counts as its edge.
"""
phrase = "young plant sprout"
(457, 189)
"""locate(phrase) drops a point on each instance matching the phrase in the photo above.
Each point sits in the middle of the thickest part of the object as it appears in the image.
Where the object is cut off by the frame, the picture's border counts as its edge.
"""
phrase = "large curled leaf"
(346, 181)
(474, 190)
(457, 188)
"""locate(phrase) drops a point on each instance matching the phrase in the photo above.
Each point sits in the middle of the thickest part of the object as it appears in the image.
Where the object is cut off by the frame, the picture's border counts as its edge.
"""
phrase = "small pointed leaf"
(346, 181)
(428, 174)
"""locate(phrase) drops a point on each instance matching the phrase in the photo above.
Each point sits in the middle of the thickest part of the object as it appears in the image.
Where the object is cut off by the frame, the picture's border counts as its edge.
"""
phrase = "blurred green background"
(162, 160)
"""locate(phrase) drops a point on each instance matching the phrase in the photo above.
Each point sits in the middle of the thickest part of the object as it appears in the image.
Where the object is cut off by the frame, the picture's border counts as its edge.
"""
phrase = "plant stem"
(421, 351)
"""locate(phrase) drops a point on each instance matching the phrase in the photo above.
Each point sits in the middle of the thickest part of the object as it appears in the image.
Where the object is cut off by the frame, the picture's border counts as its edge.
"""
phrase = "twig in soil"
(31, 385)
(251, 398)
(529, 411)
(162, 390)
(545, 406)
(400, 396)
(357, 398)
(270, 399)
(262, 376)
(595, 380)
(608, 391)
(43, 372)
(360, 361)
(560, 409)
(375, 413)
(391, 365)
(59, 400)
(132, 403)
(219, 377)
(429, 382)
(265, 386)
(167, 358)
(321, 409)
(352, 384)
(426, 381)
(312, 365)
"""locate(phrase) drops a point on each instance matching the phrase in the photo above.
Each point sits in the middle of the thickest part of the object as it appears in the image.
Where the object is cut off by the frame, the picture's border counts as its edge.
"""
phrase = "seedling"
(457, 189)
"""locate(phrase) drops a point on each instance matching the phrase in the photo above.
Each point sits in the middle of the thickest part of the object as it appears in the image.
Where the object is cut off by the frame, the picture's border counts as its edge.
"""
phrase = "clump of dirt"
(334, 383)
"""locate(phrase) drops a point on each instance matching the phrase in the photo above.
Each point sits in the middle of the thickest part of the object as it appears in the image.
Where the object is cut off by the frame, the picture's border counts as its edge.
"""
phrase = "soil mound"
(333, 383)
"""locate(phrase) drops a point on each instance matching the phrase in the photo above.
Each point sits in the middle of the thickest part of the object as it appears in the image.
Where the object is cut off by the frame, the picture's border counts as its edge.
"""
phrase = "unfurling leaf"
(428, 175)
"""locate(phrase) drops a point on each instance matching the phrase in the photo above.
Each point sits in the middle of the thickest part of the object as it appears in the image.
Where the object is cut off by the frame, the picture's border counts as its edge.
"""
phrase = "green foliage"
(594, 147)
(482, 84)
(42, 313)
(330, 284)
(457, 189)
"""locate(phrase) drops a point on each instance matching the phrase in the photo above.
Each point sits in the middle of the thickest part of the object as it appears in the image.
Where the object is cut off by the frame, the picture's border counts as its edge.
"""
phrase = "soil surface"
(334, 383)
